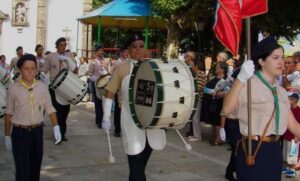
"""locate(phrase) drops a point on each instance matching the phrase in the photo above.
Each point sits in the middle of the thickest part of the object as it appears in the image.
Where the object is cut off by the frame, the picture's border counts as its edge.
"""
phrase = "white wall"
(11, 38)
(62, 14)
(59, 15)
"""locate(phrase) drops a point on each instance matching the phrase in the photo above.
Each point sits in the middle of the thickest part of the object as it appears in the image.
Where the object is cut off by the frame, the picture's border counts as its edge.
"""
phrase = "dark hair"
(264, 49)
(223, 66)
(19, 48)
(1, 56)
(59, 40)
(199, 62)
(23, 59)
(37, 47)
(47, 52)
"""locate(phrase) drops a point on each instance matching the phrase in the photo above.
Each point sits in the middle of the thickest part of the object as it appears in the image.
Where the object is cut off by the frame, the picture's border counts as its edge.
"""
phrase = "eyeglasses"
(137, 46)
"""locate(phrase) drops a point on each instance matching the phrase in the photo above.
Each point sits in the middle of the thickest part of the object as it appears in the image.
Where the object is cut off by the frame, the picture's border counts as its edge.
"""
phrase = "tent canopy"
(123, 13)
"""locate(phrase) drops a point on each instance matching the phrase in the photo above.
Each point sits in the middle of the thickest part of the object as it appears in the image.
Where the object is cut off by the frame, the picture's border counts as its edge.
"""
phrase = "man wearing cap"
(138, 144)
(55, 62)
(13, 63)
(98, 66)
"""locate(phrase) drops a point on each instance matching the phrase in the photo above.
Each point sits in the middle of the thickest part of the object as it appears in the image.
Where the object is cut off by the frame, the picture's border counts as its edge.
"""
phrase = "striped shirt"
(201, 81)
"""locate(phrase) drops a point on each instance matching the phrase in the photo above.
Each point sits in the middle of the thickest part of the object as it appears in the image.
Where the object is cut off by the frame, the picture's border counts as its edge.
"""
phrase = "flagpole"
(250, 159)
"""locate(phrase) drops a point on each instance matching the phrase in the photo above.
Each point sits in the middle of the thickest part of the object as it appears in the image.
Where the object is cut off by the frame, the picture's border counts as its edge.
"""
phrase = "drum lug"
(181, 100)
(175, 114)
(177, 84)
(175, 70)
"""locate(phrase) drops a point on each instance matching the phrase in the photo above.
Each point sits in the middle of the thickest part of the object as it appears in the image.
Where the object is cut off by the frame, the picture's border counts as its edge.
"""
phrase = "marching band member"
(98, 67)
(13, 63)
(39, 49)
(124, 55)
(82, 70)
(138, 143)
(271, 114)
(27, 100)
(54, 63)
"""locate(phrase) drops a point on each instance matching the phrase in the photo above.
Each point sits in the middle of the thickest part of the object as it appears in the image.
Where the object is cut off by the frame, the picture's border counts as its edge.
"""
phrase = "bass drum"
(100, 84)
(162, 94)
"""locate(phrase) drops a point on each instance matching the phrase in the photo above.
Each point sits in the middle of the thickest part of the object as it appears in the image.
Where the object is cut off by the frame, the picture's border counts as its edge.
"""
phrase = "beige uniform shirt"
(19, 105)
(54, 65)
(120, 72)
(13, 65)
(96, 67)
(262, 108)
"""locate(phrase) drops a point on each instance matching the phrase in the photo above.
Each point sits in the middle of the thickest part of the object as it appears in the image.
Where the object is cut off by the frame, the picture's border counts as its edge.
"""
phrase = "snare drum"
(162, 94)
(68, 88)
(2, 99)
(100, 84)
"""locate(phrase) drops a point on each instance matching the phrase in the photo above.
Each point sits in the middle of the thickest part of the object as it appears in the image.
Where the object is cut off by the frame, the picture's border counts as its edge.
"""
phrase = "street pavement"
(85, 156)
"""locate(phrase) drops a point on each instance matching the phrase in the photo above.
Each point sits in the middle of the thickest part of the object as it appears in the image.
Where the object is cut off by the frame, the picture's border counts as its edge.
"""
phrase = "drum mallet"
(188, 147)
(111, 158)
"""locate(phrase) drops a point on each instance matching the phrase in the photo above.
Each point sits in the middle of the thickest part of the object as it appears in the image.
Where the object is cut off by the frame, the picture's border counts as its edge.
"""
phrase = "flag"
(251, 8)
(228, 24)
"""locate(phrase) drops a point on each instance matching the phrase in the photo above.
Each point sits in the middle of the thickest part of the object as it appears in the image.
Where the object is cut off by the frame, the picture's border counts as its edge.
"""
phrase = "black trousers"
(62, 112)
(98, 105)
(27, 148)
(268, 163)
(233, 134)
(137, 164)
(117, 115)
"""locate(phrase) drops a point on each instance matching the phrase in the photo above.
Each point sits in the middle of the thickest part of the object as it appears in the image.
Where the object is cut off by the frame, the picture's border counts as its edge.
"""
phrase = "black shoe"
(64, 139)
(117, 134)
(229, 176)
(189, 134)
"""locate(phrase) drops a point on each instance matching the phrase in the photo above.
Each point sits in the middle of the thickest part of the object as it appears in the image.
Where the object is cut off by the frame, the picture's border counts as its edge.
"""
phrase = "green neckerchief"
(275, 95)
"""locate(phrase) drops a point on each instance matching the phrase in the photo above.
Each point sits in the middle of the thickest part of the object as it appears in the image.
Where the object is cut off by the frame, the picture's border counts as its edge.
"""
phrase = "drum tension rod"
(175, 70)
(177, 84)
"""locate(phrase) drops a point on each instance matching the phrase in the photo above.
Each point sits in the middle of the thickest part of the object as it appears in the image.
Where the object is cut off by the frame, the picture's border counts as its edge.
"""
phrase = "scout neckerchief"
(275, 95)
(30, 90)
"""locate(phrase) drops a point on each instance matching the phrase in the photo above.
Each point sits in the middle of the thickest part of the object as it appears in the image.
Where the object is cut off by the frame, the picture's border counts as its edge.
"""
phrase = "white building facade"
(27, 23)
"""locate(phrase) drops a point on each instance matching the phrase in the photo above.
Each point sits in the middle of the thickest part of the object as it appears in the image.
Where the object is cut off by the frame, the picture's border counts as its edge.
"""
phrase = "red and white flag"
(228, 20)
(251, 8)
(228, 24)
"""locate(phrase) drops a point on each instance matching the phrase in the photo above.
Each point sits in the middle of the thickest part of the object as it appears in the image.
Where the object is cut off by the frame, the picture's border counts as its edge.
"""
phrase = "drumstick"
(188, 147)
(111, 158)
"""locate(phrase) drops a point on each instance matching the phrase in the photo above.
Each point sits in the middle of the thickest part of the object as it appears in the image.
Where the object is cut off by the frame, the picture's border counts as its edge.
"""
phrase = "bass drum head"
(143, 94)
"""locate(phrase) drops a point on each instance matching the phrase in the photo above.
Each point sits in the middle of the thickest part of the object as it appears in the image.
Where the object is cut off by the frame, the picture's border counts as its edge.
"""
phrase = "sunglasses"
(137, 46)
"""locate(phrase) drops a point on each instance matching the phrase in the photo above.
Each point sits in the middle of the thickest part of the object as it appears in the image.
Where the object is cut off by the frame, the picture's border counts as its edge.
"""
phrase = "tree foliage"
(180, 16)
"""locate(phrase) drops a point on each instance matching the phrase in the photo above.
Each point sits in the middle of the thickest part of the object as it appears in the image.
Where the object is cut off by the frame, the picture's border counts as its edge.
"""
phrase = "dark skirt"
(211, 109)
(268, 163)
